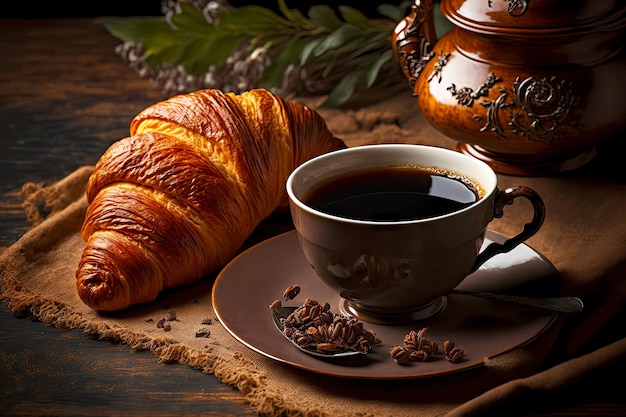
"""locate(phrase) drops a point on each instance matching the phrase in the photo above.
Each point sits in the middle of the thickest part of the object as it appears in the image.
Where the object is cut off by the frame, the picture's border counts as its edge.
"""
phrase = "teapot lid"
(533, 15)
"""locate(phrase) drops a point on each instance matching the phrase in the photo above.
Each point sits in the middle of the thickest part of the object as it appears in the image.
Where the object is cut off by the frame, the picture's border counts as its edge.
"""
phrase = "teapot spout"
(413, 39)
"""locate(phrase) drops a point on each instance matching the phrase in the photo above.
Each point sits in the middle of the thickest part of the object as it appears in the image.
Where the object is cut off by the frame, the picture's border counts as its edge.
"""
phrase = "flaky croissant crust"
(176, 199)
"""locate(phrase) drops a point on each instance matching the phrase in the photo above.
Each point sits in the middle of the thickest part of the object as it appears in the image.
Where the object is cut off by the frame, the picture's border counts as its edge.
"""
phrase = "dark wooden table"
(64, 98)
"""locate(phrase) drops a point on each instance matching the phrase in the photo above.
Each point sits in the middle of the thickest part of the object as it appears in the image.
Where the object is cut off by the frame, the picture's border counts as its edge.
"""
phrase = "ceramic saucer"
(482, 328)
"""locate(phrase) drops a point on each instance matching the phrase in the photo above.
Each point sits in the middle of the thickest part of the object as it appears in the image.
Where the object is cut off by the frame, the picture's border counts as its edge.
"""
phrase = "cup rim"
(303, 206)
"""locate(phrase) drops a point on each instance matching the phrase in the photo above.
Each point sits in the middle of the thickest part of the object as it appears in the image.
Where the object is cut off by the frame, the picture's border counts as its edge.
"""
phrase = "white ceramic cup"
(398, 271)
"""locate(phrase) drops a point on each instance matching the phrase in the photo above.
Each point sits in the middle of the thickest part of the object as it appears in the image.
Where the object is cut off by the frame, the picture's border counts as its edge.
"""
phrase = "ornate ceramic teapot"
(528, 86)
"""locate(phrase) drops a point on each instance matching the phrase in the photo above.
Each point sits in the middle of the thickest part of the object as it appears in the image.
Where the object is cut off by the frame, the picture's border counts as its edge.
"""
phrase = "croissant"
(177, 199)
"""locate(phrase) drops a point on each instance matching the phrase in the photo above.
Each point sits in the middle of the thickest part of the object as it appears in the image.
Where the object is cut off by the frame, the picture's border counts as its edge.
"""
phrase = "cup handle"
(507, 197)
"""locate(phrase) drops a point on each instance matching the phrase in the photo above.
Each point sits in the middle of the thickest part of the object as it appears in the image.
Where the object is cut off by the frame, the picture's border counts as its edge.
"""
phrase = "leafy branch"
(252, 46)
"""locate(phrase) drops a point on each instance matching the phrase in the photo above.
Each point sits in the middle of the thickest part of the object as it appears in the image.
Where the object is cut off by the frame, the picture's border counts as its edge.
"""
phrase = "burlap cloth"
(584, 236)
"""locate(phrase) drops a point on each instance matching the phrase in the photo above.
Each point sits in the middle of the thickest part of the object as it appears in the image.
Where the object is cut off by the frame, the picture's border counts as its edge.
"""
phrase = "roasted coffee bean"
(315, 326)
(399, 354)
(418, 347)
(451, 352)
(203, 332)
(291, 292)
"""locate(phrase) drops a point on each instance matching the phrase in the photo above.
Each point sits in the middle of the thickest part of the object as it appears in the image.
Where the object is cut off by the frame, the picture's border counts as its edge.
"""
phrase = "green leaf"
(190, 54)
(337, 39)
(354, 17)
(288, 55)
(251, 20)
(293, 15)
(376, 45)
(308, 49)
(324, 16)
(374, 70)
(342, 91)
(133, 29)
(161, 48)
(330, 65)
(199, 55)
(190, 19)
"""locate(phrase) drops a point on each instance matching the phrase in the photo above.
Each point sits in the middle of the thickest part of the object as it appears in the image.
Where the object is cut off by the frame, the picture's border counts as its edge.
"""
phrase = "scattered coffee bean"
(451, 352)
(203, 332)
(164, 322)
(418, 347)
(291, 292)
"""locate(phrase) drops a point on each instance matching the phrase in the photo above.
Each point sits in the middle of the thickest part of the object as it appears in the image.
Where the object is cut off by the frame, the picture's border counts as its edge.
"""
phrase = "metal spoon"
(284, 312)
(567, 305)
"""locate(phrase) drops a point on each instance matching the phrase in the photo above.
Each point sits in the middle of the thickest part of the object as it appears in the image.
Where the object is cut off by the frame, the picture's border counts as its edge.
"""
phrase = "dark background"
(43, 9)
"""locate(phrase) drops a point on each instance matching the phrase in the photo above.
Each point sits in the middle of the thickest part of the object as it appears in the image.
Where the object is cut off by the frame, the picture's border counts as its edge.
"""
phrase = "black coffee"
(392, 194)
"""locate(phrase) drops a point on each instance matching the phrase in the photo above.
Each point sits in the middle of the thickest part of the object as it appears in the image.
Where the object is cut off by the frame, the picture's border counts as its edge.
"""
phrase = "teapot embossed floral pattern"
(530, 87)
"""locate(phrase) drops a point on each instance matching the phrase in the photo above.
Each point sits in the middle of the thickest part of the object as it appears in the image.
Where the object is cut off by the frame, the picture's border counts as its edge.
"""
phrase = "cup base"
(423, 312)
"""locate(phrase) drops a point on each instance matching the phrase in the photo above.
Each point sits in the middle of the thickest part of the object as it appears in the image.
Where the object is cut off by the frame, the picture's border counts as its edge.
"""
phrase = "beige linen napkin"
(584, 237)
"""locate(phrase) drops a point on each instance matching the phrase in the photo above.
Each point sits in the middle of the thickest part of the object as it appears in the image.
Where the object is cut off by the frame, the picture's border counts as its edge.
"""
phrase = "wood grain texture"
(64, 98)
(50, 371)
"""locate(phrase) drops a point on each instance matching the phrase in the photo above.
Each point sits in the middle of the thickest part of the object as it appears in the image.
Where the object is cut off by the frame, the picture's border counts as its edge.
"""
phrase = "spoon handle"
(568, 305)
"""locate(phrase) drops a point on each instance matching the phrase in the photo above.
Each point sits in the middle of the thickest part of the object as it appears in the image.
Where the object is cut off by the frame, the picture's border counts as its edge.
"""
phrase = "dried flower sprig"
(210, 44)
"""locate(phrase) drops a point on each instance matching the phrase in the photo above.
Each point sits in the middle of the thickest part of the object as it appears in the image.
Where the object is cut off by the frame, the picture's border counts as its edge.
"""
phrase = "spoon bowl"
(279, 313)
